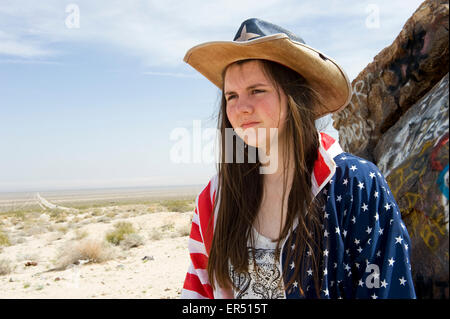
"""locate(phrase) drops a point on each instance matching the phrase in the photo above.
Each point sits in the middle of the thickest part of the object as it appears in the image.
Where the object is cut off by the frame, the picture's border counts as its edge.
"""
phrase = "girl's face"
(253, 104)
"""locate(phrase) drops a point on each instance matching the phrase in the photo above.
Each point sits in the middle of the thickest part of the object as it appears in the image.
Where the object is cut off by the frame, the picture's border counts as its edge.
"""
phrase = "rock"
(30, 263)
(398, 77)
(414, 156)
(147, 258)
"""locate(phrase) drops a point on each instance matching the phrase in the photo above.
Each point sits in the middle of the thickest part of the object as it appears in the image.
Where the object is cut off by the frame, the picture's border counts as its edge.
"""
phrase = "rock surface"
(418, 178)
(398, 77)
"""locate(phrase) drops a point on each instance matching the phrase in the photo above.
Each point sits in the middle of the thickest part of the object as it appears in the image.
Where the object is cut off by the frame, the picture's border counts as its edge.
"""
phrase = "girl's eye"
(230, 97)
(257, 91)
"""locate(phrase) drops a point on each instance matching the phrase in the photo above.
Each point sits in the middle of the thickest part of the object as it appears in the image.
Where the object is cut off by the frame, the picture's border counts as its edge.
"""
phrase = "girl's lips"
(250, 124)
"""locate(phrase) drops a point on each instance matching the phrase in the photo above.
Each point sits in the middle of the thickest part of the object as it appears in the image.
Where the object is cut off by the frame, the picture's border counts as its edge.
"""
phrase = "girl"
(310, 222)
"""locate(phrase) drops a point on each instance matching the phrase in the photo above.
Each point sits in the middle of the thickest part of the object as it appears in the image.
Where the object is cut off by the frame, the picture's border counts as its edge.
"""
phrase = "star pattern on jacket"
(365, 242)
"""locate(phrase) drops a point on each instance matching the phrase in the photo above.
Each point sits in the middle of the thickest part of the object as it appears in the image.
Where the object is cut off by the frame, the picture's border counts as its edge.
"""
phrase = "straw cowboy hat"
(258, 39)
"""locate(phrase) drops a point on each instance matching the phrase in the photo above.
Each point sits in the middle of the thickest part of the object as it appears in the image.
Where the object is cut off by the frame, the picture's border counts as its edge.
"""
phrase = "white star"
(384, 284)
(402, 281)
(337, 230)
(380, 231)
(363, 161)
(361, 283)
(368, 230)
(325, 191)
(379, 253)
(293, 246)
(339, 198)
(375, 195)
(310, 272)
(387, 206)
(353, 168)
(345, 234)
(326, 292)
(345, 182)
(406, 246)
(391, 261)
(343, 158)
(379, 174)
(292, 265)
(361, 185)
(325, 215)
(325, 252)
(376, 216)
(295, 284)
(359, 249)
(398, 240)
(372, 174)
(245, 36)
(356, 241)
(347, 267)
(325, 234)
(365, 207)
(354, 219)
(308, 253)
(374, 296)
(325, 272)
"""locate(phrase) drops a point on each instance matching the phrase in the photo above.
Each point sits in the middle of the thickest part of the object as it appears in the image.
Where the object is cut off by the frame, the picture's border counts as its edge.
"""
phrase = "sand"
(40, 242)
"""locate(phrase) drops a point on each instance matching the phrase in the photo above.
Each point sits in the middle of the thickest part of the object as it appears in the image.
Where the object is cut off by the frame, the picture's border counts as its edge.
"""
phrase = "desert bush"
(184, 230)
(5, 267)
(131, 241)
(118, 234)
(179, 205)
(80, 234)
(93, 251)
(156, 234)
(4, 240)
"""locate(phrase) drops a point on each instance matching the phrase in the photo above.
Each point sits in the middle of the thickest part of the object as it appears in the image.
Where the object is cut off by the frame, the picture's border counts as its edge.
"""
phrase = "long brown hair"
(240, 186)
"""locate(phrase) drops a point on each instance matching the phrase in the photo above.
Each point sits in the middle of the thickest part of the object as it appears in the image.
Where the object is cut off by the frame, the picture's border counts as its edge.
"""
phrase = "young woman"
(313, 221)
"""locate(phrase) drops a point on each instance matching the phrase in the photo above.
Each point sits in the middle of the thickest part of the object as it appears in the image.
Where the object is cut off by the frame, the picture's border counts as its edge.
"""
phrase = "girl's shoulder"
(354, 170)
(349, 164)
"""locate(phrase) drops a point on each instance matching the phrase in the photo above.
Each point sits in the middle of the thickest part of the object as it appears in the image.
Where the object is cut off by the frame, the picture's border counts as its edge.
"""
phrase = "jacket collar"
(324, 167)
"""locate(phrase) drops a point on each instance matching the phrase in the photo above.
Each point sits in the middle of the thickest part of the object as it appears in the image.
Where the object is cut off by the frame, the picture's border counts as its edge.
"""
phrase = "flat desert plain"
(110, 248)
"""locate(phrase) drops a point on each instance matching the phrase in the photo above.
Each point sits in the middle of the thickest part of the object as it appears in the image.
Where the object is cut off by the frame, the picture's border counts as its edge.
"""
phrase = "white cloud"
(159, 32)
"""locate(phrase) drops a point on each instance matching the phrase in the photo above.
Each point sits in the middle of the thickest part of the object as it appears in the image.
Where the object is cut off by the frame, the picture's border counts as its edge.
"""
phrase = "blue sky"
(93, 104)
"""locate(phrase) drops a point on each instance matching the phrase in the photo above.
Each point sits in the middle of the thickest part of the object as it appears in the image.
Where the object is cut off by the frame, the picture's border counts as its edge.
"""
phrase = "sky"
(95, 94)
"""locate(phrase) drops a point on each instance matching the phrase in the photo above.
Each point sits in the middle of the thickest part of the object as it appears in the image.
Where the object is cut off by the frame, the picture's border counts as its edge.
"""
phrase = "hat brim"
(322, 73)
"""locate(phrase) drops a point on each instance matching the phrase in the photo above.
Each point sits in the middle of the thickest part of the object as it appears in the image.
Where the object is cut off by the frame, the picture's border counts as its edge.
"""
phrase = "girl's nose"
(244, 105)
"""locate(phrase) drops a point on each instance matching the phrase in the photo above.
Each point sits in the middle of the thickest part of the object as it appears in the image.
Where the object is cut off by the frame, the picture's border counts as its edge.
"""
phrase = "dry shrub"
(118, 234)
(93, 251)
(5, 267)
(4, 240)
(131, 241)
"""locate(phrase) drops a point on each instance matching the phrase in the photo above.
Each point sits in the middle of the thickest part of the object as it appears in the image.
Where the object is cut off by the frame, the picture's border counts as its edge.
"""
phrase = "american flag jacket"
(365, 245)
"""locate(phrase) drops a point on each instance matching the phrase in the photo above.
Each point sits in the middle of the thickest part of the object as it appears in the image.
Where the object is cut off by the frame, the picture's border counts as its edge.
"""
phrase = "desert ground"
(96, 250)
